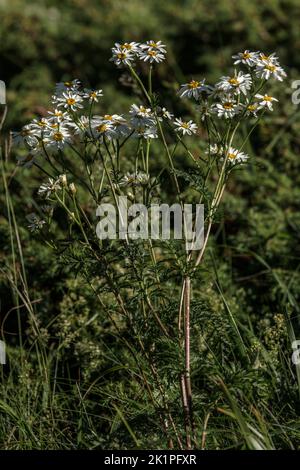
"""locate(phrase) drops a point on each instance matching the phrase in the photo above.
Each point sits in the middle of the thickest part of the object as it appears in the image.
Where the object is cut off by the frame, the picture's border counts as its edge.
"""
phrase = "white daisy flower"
(185, 127)
(51, 186)
(269, 69)
(228, 108)
(238, 83)
(36, 223)
(122, 56)
(69, 100)
(92, 95)
(58, 115)
(141, 116)
(133, 47)
(246, 58)
(252, 109)
(151, 55)
(267, 59)
(154, 45)
(39, 126)
(194, 88)
(58, 138)
(265, 101)
(102, 128)
(234, 156)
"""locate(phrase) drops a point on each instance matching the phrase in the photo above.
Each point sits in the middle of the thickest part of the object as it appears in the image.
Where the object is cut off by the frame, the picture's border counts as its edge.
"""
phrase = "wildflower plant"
(131, 278)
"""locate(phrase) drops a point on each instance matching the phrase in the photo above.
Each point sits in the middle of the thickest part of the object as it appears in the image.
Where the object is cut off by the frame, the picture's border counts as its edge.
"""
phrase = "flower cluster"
(127, 53)
(237, 96)
(234, 95)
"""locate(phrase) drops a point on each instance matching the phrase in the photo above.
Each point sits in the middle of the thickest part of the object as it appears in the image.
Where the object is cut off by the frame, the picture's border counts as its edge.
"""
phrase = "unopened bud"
(72, 188)
(63, 180)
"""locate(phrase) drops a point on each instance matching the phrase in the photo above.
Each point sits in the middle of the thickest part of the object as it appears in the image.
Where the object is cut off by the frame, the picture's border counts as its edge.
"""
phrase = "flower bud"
(63, 180)
(72, 188)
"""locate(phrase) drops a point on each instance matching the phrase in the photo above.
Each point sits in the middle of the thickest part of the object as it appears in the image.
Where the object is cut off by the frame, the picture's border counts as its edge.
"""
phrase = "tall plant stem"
(187, 352)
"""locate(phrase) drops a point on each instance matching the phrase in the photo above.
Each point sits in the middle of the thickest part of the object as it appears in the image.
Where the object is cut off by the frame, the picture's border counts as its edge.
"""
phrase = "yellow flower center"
(267, 98)
(231, 156)
(271, 67)
(193, 84)
(152, 53)
(227, 105)
(121, 55)
(153, 44)
(108, 117)
(71, 101)
(233, 81)
(58, 113)
(93, 95)
(54, 125)
(185, 125)
(126, 46)
(264, 57)
(68, 84)
(41, 124)
(102, 128)
(252, 107)
(58, 137)
(246, 55)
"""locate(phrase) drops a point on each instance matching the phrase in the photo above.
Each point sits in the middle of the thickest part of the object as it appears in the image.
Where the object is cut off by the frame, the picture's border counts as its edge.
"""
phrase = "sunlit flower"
(141, 116)
(58, 138)
(267, 59)
(69, 100)
(265, 101)
(58, 115)
(252, 109)
(268, 70)
(185, 127)
(238, 83)
(235, 156)
(128, 46)
(194, 89)
(101, 128)
(227, 108)
(154, 45)
(122, 56)
(246, 58)
(151, 55)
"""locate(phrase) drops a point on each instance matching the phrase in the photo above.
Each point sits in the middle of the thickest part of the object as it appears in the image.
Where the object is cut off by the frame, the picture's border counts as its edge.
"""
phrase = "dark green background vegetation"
(70, 384)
